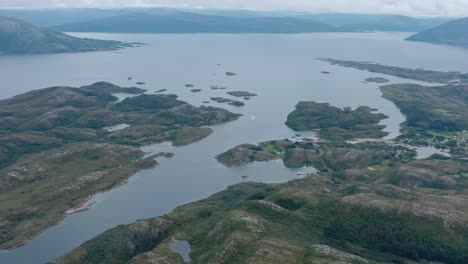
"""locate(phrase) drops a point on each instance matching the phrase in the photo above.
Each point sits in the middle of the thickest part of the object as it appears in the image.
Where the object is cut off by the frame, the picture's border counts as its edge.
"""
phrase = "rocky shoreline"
(64, 128)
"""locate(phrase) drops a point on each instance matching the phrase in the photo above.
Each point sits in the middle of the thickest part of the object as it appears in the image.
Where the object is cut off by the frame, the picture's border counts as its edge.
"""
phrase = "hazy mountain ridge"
(453, 33)
(19, 37)
(187, 22)
(368, 22)
(149, 21)
(227, 21)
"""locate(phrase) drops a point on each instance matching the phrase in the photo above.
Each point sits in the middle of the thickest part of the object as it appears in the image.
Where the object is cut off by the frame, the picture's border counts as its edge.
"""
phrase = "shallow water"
(281, 69)
(182, 248)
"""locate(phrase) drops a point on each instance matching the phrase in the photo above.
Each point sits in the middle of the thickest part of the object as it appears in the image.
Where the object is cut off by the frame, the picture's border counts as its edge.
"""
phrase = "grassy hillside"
(327, 218)
(56, 148)
(369, 203)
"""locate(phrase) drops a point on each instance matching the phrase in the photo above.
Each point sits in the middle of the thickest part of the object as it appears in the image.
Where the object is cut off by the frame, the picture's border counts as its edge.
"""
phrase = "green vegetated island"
(436, 115)
(59, 145)
(370, 202)
(337, 123)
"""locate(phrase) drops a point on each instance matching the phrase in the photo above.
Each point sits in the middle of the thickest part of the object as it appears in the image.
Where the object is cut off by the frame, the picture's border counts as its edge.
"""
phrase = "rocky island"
(215, 87)
(324, 156)
(223, 100)
(241, 94)
(336, 123)
(46, 132)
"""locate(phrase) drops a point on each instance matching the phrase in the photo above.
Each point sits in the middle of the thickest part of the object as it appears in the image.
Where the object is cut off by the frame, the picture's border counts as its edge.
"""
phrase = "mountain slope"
(454, 33)
(19, 37)
(186, 22)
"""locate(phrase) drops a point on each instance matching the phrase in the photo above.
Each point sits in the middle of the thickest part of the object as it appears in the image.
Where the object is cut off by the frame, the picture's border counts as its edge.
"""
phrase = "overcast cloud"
(405, 7)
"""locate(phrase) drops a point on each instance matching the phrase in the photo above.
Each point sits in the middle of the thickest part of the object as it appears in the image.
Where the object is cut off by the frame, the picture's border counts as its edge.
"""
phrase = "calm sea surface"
(281, 69)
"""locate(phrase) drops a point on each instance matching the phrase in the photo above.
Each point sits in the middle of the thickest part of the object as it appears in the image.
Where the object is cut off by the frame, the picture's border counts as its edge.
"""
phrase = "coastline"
(81, 207)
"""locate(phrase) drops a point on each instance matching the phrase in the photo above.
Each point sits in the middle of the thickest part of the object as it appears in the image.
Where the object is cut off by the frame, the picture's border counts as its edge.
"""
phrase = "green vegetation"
(436, 115)
(56, 150)
(245, 153)
(324, 156)
(439, 108)
(370, 202)
(379, 205)
(351, 215)
(39, 188)
(413, 74)
(336, 123)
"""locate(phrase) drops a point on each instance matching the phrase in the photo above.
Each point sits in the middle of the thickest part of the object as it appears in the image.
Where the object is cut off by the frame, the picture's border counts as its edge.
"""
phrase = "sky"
(452, 8)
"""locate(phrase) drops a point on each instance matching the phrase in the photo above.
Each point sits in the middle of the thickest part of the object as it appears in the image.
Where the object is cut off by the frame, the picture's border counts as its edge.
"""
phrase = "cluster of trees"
(400, 234)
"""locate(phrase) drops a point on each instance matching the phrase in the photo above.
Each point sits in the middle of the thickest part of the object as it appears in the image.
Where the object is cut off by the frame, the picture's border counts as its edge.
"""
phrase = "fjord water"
(281, 69)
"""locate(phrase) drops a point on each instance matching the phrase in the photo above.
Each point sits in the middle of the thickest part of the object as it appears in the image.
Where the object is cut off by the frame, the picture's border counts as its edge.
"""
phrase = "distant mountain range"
(367, 22)
(186, 22)
(19, 37)
(453, 33)
(227, 21)
(360, 22)
(245, 22)
(391, 23)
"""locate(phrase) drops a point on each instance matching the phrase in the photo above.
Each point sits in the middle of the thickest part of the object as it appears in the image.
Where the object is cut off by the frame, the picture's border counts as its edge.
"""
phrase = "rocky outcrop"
(241, 94)
(56, 144)
(451, 210)
(431, 173)
(347, 158)
(326, 254)
(300, 157)
(244, 154)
